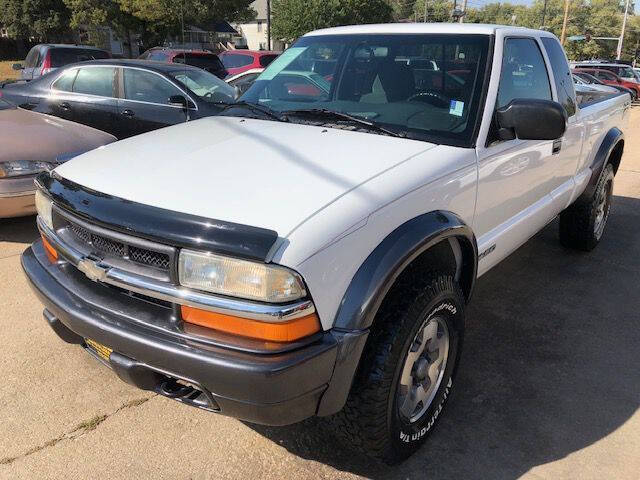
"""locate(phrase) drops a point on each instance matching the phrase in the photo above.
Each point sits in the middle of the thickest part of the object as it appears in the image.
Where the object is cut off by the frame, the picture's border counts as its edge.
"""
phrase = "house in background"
(254, 34)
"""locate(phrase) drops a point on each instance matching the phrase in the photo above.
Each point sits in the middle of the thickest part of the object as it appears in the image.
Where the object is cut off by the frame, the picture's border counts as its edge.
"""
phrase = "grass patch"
(8, 73)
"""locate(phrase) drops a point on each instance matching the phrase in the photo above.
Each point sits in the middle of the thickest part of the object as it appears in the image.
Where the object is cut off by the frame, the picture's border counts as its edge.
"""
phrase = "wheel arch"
(610, 151)
(405, 245)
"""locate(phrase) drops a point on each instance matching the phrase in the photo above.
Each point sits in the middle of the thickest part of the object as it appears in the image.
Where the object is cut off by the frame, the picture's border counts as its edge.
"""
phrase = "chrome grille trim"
(176, 294)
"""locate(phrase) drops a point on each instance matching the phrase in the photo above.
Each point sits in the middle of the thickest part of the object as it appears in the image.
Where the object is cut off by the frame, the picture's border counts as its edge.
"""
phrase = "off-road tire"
(371, 420)
(579, 225)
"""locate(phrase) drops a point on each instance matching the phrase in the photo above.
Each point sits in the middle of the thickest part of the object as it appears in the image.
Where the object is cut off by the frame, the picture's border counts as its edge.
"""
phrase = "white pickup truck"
(311, 250)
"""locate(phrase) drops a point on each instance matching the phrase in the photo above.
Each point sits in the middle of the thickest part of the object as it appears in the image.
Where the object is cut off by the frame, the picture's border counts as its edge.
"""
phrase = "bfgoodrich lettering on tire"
(407, 371)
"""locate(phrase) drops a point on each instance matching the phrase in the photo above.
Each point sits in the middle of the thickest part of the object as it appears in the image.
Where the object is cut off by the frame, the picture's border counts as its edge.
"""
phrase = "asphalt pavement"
(548, 386)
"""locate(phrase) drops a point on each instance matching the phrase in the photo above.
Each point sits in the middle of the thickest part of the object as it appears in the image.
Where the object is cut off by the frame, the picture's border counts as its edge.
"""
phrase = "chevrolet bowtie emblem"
(92, 270)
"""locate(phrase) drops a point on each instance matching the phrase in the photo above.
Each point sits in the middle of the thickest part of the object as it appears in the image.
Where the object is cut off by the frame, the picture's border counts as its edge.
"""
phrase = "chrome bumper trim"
(175, 294)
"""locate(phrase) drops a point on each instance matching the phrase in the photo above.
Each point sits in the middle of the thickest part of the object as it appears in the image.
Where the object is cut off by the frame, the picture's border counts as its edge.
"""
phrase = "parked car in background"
(620, 69)
(45, 58)
(590, 80)
(595, 86)
(33, 143)
(609, 78)
(238, 61)
(204, 59)
(243, 80)
(124, 97)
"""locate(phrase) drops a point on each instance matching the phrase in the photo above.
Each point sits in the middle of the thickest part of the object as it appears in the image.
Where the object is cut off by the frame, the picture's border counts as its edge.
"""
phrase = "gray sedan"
(31, 143)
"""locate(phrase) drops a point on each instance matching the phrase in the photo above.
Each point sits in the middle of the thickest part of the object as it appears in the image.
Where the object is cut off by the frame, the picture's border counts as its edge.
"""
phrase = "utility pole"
(544, 13)
(624, 24)
(425, 11)
(268, 24)
(464, 9)
(564, 22)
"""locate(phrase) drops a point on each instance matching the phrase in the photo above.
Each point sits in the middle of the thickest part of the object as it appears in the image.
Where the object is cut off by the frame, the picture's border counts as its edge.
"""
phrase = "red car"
(238, 61)
(610, 78)
(197, 58)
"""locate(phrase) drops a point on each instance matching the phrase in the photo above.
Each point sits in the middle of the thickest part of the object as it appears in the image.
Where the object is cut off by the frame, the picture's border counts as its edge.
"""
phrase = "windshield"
(423, 86)
(205, 85)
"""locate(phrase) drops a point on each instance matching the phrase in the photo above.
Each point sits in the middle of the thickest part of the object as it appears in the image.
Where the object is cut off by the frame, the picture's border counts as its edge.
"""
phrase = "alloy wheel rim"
(602, 210)
(423, 369)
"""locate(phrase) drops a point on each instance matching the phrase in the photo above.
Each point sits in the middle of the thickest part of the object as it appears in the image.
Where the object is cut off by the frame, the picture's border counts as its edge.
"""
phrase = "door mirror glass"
(531, 119)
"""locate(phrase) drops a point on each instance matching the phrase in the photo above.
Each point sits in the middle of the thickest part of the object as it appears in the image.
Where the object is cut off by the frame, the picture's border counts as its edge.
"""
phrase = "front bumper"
(17, 196)
(270, 388)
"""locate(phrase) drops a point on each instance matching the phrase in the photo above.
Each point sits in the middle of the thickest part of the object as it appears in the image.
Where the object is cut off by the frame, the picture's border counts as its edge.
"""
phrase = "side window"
(65, 81)
(32, 57)
(95, 81)
(524, 74)
(561, 75)
(235, 60)
(145, 86)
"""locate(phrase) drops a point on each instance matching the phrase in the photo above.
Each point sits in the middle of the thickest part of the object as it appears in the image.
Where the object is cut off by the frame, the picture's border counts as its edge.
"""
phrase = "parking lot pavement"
(548, 387)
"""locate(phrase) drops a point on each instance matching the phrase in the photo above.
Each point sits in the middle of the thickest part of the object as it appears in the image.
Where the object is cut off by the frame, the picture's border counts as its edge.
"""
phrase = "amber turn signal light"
(246, 327)
(52, 254)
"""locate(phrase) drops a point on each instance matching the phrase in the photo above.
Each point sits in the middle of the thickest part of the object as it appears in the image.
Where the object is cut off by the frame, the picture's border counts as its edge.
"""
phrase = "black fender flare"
(372, 282)
(609, 142)
(388, 260)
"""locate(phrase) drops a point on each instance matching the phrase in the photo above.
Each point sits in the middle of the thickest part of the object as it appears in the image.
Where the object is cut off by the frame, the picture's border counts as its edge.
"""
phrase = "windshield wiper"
(256, 108)
(326, 113)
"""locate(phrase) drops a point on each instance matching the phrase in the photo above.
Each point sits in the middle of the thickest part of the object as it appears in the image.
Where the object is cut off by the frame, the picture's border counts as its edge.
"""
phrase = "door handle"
(65, 106)
(557, 146)
(128, 113)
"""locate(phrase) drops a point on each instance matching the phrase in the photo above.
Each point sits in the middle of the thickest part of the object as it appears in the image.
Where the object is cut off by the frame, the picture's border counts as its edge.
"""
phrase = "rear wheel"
(406, 372)
(582, 226)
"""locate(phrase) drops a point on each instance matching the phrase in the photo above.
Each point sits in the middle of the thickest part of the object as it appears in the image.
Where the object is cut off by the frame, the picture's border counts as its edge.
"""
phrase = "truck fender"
(388, 260)
(376, 276)
(602, 156)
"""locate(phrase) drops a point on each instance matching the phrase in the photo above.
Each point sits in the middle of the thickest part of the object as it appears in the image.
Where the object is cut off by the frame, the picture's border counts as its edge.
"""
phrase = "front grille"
(147, 257)
(141, 256)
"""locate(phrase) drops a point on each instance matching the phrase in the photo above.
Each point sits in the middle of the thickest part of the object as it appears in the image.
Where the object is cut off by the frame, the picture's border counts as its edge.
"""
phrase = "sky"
(524, 2)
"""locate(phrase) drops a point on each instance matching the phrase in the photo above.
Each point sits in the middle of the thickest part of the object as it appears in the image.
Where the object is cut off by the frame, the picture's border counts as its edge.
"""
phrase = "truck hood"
(254, 172)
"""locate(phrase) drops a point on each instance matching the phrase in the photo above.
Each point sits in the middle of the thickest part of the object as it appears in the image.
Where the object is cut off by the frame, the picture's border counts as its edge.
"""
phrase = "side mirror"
(17, 66)
(180, 101)
(531, 119)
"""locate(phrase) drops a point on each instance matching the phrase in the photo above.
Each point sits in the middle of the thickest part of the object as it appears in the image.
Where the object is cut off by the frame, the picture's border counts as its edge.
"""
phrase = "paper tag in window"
(456, 108)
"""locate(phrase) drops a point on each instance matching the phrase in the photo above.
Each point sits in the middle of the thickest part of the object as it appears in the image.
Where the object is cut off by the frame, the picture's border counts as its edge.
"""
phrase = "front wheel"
(407, 371)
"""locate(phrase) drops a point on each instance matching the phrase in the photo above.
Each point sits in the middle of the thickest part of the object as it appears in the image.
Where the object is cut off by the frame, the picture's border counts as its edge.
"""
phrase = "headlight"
(18, 168)
(238, 278)
(43, 207)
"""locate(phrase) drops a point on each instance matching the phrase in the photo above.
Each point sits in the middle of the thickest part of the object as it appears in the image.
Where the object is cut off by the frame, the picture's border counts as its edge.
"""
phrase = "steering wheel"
(433, 98)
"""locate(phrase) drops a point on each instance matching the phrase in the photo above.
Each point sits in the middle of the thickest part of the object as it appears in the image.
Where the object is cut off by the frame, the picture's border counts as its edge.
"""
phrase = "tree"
(436, 10)
(94, 14)
(294, 18)
(170, 13)
(46, 20)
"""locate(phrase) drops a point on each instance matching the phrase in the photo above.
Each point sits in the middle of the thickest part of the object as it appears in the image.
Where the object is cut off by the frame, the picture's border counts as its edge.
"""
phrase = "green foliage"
(47, 20)
(293, 18)
(599, 18)
(436, 10)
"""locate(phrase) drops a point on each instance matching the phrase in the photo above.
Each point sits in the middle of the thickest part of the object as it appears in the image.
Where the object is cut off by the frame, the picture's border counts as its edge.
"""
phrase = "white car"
(311, 251)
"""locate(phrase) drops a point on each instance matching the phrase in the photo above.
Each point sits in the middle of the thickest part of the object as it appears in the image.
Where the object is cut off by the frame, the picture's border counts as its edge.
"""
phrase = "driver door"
(515, 177)
(143, 105)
